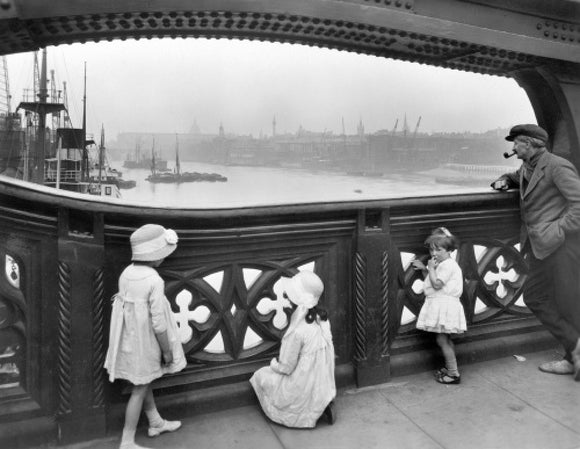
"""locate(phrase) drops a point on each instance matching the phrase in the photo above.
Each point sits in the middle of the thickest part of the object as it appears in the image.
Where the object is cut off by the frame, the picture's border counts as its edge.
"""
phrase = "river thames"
(265, 186)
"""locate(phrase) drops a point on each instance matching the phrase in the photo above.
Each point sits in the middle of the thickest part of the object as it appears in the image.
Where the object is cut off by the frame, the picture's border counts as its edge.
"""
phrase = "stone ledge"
(473, 351)
(43, 430)
(29, 432)
(208, 400)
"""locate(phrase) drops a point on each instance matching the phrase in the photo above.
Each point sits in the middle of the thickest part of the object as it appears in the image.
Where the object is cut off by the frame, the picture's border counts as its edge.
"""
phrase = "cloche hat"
(529, 130)
(152, 242)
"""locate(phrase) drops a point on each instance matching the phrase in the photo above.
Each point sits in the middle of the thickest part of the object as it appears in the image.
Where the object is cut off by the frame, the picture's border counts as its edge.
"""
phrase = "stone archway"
(555, 98)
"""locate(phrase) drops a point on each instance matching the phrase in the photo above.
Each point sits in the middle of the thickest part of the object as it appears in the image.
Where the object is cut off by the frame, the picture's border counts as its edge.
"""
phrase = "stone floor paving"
(500, 404)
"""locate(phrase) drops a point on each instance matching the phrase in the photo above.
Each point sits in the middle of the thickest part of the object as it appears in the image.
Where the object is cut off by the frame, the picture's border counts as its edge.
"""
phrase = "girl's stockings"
(155, 419)
(448, 349)
(157, 425)
(132, 414)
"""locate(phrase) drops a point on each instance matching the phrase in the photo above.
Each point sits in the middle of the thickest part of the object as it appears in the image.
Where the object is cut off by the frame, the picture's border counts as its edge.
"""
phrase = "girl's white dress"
(442, 311)
(141, 310)
(295, 390)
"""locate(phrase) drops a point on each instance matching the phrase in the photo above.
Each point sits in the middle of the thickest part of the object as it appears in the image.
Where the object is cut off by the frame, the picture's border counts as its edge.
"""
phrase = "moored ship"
(102, 175)
(178, 176)
(57, 157)
(12, 144)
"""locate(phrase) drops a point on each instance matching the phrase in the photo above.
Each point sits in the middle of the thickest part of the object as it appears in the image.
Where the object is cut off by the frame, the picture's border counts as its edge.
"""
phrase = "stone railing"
(62, 255)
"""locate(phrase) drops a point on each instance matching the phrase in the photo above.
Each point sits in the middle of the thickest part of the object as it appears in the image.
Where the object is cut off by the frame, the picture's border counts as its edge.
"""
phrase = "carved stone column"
(373, 299)
(81, 408)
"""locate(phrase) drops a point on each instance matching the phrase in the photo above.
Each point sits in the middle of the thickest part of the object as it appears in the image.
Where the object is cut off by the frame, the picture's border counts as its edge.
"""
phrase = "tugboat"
(101, 171)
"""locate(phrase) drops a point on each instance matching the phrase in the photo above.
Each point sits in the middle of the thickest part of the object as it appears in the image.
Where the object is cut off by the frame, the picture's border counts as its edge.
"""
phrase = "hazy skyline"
(164, 86)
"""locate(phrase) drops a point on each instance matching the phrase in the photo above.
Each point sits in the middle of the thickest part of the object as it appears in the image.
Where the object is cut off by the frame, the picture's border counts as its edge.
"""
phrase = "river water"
(263, 186)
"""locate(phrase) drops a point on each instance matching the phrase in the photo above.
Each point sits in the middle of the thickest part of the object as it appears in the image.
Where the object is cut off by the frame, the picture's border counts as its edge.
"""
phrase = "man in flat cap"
(550, 239)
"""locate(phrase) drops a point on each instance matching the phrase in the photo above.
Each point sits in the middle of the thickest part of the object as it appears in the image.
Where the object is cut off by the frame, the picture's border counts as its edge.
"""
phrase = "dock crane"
(417, 127)
(395, 127)
(413, 139)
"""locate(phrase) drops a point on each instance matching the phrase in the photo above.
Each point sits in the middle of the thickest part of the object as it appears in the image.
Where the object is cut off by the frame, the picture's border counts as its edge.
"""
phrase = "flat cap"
(528, 130)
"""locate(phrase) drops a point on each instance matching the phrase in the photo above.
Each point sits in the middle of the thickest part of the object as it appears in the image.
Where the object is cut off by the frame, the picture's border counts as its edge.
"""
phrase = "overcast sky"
(167, 85)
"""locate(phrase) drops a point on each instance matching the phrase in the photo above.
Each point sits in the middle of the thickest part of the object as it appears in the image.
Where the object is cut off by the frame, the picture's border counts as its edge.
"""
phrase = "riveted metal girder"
(483, 36)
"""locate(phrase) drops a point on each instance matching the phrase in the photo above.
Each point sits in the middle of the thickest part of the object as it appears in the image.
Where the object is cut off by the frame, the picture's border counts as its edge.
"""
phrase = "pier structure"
(61, 253)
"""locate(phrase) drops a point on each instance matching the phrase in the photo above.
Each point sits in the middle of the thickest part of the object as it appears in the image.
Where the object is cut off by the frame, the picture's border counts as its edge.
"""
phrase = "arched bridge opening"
(537, 43)
(61, 254)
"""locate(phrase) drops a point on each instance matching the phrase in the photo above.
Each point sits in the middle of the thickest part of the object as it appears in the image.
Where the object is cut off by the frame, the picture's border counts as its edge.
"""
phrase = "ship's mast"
(67, 122)
(5, 97)
(101, 153)
(54, 95)
(36, 76)
(177, 164)
(85, 155)
(40, 154)
(153, 167)
(41, 108)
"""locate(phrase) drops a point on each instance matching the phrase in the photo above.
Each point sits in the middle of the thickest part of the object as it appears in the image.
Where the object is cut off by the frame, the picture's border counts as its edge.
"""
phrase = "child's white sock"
(155, 419)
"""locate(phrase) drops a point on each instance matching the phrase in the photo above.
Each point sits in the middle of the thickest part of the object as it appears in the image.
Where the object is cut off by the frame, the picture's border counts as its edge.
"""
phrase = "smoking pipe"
(508, 155)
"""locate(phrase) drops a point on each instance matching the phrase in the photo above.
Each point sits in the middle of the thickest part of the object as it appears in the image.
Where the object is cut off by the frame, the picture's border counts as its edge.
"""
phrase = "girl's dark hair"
(442, 238)
(142, 262)
(313, 312)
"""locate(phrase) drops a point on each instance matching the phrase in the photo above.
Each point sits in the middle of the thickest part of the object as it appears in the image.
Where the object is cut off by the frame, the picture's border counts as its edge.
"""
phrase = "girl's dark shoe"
(448, 379)
(330, 413)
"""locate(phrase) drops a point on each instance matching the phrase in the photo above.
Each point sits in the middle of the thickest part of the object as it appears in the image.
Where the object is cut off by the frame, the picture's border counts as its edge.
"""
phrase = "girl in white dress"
(442, 311)
(298, 387)
(143, 338)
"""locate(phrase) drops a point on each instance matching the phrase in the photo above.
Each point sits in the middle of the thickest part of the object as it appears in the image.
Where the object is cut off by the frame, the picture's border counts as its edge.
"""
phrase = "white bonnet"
(303, 289)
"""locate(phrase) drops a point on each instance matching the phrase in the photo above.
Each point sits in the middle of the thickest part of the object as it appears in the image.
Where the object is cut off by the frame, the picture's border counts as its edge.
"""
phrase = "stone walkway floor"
(503, 403)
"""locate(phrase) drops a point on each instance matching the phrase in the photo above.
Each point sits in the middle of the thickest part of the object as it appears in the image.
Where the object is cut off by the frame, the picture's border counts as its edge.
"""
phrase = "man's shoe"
(576, 361)
(557, 367)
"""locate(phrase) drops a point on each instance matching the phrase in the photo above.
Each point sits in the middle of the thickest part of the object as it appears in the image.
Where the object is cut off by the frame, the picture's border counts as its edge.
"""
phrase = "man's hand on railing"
(500, 184)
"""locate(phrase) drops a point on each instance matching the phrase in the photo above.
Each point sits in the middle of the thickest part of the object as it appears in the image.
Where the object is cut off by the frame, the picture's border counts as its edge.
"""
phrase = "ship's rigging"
(50, 150)
(41, 108)
(11, 138)
(4, 88)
